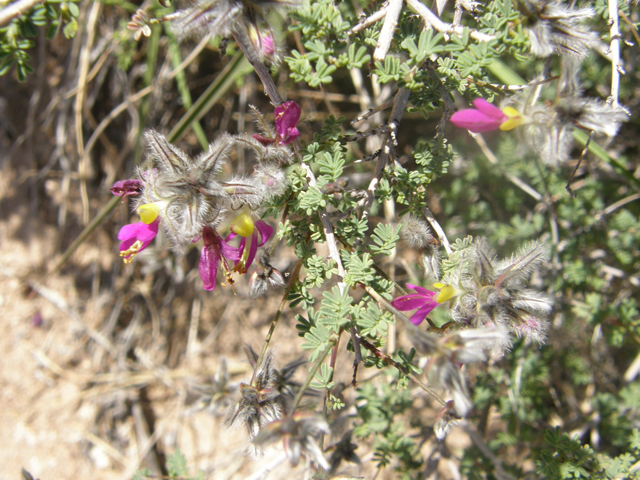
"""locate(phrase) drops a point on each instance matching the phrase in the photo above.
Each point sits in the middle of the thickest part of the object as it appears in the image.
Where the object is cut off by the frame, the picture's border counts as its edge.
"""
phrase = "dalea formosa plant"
(454, 272)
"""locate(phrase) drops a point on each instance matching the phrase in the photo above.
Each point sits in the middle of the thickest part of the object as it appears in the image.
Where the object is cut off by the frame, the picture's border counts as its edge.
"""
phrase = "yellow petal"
(148, 212)
(242, 225)
(446, 293)
(514, 118)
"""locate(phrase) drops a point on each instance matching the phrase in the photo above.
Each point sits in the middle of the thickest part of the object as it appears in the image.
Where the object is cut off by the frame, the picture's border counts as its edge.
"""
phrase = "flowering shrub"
(491, 308)
(511, 261)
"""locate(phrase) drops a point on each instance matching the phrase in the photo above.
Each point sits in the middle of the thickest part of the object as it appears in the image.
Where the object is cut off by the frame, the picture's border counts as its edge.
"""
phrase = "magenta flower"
(486, 117)
(250, 242)
(125, 188)
(136, 237)
(286, 117)
(425, 301)
(268, 45)
(214, 251)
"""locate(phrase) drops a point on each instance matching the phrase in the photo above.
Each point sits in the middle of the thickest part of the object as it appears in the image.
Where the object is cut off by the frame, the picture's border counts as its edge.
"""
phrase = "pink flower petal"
(265, 231)
(489, 109)
(286, 117)
(253, 248)
(229, 252)
(133, 232)
(418, 317)
(475, 121)
(208, 267)
(409, 302)
(421, 290)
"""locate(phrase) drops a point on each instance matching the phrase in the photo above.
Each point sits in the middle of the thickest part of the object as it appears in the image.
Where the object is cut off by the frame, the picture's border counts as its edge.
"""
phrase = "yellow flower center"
(149, 212)
(514, 118)
(446, 292)
(242, 225)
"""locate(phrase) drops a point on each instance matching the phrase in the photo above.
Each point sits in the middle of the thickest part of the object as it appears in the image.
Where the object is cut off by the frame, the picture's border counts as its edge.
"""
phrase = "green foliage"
(384, 239)
(15, 38)
(377, 408)
(324, 378)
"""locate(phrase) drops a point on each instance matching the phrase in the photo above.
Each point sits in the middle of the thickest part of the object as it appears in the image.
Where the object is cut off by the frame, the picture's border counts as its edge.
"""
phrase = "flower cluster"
(189, 199)
(491, 292)
(488, 298)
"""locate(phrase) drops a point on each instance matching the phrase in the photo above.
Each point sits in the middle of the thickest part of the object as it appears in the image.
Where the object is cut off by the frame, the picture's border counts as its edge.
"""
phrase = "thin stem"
(512, 178)
(399, 104)
(575, 170)
(438, 229)
(270, 88)
(383, 301)
(312, 374)
(274, 322)
(327, 393)
(616, 63)
(390, 361)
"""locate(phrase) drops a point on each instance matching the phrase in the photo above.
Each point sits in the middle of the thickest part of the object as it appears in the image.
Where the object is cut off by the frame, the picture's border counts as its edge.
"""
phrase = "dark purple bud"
(266, 141)
(125, 188)
(36, 320)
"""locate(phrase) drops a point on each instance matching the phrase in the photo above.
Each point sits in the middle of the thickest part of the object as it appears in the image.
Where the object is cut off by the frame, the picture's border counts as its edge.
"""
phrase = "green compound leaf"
(359, 269)
(384, 238)
(317, 340)
(323, 378)
(331, 165)
(335, 309)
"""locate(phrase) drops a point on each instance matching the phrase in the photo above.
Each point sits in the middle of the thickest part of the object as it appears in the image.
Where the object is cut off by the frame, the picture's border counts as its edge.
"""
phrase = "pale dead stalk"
(79, 104)
(379, 15)
(616, 62)
(16, 9)
(388, 27)
(428, 214)
(432, 20)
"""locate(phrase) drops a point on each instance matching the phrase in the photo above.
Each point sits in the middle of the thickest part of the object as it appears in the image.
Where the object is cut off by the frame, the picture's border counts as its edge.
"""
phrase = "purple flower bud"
(287, 116)
(266, 141)
(125, 188)
(36, 320)
(268, 45)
